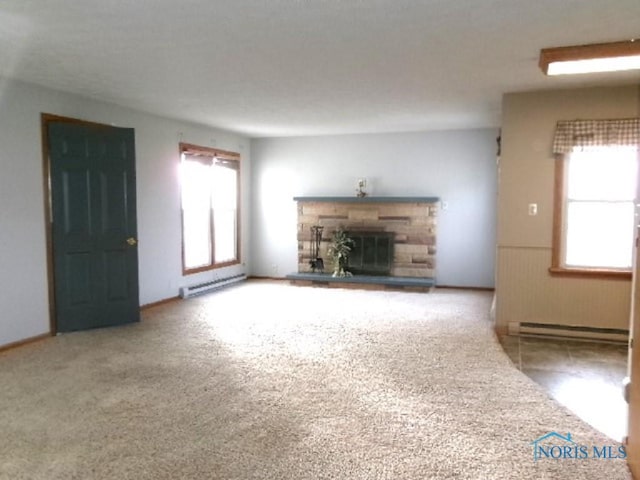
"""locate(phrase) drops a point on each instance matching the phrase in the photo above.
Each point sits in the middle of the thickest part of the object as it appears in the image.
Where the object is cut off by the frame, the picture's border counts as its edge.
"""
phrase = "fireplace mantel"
(368, 199)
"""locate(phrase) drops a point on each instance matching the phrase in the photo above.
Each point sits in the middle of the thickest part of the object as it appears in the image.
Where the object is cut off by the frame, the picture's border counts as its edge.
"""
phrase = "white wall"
(458, 166)
(23, 276)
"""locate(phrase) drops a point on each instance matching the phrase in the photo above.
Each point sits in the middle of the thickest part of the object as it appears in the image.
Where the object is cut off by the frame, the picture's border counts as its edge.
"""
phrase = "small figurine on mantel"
(360, 190)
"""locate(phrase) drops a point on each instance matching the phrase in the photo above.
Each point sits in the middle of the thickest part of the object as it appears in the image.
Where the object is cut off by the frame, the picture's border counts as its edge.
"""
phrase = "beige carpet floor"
(270, 381)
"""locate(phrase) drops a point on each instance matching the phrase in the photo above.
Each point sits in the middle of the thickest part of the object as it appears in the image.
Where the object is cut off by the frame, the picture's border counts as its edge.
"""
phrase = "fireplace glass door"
(372, 253)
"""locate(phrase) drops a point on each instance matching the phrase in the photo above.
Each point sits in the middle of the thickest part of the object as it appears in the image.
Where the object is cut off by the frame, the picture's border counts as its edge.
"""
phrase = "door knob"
(132, 241)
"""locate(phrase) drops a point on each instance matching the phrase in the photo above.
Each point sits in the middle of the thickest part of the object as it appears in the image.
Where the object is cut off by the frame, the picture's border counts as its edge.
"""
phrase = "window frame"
(212, 154)
(559, 218)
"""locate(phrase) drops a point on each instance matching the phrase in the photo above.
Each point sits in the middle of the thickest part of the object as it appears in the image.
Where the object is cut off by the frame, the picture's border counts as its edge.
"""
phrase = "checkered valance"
(584, 134)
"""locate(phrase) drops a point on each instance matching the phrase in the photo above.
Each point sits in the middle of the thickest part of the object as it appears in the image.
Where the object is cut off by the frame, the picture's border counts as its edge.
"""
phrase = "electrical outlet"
(445, 205)
(533, 209)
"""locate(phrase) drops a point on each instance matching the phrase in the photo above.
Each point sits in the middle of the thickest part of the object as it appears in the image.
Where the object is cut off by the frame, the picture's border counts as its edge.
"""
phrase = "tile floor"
(584, 376)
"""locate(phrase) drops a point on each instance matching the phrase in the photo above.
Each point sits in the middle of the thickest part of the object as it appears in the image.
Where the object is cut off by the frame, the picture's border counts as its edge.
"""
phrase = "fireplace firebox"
(371, 253)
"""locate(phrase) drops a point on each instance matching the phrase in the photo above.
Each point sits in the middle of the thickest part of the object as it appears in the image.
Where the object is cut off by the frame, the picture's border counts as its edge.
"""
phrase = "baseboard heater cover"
(201, 288)
(574, 331)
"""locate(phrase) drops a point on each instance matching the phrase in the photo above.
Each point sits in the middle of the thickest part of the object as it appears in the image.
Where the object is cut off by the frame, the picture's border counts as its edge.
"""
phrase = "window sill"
(590, 273)
(208, 268)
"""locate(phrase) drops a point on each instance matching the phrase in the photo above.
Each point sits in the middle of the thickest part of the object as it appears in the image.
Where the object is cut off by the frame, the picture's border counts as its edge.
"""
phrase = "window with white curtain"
(596, 188)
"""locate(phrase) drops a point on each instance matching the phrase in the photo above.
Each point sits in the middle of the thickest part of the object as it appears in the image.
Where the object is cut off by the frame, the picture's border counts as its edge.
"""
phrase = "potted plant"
(339, 252)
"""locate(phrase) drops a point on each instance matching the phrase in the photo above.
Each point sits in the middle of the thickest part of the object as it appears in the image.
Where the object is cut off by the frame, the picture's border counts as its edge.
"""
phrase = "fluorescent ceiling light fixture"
(600, 57)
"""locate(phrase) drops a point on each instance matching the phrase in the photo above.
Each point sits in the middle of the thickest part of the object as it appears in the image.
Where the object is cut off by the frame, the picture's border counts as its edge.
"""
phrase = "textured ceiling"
(306, 67)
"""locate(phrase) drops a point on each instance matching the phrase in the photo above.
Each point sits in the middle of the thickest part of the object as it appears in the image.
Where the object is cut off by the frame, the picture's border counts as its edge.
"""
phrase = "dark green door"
(93, 198)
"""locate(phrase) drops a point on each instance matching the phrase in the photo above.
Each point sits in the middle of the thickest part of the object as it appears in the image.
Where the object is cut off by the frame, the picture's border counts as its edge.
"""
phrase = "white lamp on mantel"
(361, 188)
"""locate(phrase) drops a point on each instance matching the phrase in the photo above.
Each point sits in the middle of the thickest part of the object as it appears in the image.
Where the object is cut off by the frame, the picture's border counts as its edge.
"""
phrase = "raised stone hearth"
(367, 282)
(409, 221)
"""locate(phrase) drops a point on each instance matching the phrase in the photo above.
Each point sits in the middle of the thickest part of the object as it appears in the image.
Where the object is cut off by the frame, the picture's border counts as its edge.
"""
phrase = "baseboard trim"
(479, 289)
(165, 301)
(37, 338)
(452, 287)
(261, 277)
(568, 331)
(24, 342)
(575, 328)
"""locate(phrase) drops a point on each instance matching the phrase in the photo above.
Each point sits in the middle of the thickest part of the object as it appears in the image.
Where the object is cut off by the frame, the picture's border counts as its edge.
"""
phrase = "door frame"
(633, 403)
(45, 120)
(632, 394)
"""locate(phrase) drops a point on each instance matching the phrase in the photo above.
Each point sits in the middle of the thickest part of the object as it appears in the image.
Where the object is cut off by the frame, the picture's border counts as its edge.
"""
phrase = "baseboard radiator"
(201, 288)
(568, 331)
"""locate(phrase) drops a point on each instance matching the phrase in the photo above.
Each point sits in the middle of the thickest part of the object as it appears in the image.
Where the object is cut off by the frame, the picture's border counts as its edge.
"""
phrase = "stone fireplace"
(396, 235)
